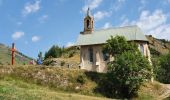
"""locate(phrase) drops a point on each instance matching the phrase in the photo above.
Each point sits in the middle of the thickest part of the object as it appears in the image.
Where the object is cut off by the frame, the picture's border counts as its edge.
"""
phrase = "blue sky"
(36, 25)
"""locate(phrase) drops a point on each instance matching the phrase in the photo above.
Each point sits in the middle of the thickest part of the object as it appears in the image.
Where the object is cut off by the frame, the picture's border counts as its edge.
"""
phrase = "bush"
(47, 62)
(81, 79)
(1, 63)
(130, 70)
(154, 52)
(55, 52)
(62, 63)
(163, 74)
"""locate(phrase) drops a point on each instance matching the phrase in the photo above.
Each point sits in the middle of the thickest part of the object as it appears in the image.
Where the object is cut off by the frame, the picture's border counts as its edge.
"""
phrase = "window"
(105, 56)
(142, 48)
(91, 54)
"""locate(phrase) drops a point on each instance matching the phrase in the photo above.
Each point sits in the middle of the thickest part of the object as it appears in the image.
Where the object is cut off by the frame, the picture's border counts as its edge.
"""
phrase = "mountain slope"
(5, 56)
(158, 46)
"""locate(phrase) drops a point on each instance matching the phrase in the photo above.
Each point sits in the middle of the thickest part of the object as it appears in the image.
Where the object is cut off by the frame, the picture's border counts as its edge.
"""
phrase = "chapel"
(91, 42)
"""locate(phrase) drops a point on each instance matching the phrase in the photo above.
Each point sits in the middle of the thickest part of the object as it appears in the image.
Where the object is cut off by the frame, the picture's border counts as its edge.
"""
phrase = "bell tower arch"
(88, 22)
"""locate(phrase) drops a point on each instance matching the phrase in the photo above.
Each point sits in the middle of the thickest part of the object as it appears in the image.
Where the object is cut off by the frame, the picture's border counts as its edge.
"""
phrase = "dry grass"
(75, 58)
(151, 91)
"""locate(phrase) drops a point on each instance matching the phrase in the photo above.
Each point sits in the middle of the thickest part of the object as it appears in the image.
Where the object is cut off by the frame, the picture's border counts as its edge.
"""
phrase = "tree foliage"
(163, 74)
(129, 69)
(54, 52)
(118, 45)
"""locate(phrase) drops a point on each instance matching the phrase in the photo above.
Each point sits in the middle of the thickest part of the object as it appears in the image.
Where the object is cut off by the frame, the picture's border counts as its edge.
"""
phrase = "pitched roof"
(100, 36)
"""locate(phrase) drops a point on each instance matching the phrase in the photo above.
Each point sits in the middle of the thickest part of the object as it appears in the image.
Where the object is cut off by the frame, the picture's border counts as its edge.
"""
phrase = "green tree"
(163, 74)
(117, 45)
(54, 51)
(129, 69)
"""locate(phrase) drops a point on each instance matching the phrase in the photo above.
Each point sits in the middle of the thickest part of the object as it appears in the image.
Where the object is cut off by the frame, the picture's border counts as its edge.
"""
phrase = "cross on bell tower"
(88, 22)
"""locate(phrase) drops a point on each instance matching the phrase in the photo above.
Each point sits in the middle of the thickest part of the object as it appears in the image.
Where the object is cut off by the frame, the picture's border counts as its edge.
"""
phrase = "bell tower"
(88, 23)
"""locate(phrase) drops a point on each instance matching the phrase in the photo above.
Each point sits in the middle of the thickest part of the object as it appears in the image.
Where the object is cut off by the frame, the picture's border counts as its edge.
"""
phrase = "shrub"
(154, 52)
(54, 51)
(130, 70)
(62, 63)
(1, 63)
(163, 74)
(71, 53)
(81, 79)
(48, 62)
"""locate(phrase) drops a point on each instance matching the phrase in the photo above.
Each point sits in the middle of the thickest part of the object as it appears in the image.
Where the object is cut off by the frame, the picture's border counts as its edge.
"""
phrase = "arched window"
(88, 24)
(91, 54)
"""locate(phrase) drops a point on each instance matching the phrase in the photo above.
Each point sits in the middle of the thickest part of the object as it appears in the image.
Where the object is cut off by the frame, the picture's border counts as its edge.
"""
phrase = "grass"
(42, 82)
(5, 57)
(151, 91)
(14, 89)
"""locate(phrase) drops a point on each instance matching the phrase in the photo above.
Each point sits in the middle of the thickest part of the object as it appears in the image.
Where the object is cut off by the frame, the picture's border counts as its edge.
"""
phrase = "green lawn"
(11, 89)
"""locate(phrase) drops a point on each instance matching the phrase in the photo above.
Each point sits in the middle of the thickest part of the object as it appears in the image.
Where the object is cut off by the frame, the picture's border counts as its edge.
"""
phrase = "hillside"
(5, 56)
(158, 46)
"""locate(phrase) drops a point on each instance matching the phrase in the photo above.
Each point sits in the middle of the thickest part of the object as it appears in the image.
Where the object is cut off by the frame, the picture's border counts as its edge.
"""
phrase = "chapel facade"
(91, 43)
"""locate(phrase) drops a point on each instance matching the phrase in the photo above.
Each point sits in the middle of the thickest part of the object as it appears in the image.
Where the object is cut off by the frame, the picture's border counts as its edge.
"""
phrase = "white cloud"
(35, 38)
(100, 15)
(153, 20)
(152, 23)
(17, 35)
(69, 44)
(117, 5)
(107, 25)
(162, 31)
(92, 4)
(31, 8)
(43, 18)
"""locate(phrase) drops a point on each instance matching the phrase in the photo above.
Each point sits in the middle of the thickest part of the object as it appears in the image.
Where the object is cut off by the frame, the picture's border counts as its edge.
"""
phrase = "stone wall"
(98, 64)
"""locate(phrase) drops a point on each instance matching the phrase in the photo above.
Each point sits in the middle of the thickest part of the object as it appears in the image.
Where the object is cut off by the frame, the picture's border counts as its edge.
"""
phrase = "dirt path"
(166, 93)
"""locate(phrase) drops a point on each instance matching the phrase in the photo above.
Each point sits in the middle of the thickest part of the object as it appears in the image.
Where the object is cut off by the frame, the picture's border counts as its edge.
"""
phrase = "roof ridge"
(116, 27)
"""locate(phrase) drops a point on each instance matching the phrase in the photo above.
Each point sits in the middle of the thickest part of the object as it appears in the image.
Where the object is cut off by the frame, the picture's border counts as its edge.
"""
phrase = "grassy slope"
(18, 90)
(5, 56)
(50, 80)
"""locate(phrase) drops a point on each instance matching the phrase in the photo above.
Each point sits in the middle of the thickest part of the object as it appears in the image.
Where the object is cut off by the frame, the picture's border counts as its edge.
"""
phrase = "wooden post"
(13, 54)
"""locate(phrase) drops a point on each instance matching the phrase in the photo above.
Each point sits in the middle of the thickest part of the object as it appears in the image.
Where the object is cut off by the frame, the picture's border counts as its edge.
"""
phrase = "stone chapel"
(91, 42)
